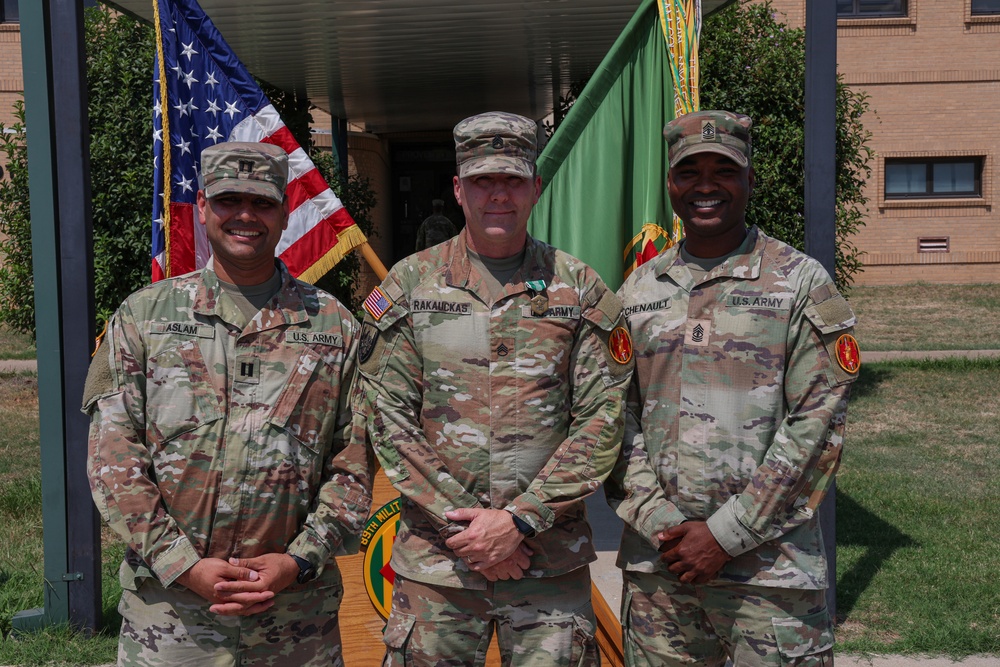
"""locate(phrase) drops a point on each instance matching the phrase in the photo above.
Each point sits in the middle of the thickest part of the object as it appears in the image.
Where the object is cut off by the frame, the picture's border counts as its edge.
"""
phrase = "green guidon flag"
(604, 171)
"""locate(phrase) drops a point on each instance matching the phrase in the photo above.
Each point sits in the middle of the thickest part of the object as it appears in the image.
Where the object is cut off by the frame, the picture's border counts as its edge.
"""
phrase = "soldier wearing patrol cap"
(744, 362)
(219, 442)
(492, 370)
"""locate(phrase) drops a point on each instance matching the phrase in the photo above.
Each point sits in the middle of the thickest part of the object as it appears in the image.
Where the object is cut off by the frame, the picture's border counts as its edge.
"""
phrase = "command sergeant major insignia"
(707, 131)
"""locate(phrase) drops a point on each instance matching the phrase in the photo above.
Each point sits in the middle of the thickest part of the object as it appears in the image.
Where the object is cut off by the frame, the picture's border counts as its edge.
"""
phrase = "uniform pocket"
(304, 407)
(396, 637)
(180, 395)
(803, 636)
(584, 650)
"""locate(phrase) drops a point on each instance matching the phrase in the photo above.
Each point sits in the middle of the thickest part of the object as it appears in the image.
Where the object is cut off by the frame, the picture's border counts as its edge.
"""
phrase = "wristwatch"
(522, 526)
(307, 572)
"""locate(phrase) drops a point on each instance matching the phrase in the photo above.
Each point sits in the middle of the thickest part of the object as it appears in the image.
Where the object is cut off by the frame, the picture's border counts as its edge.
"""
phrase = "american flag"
(377, 303)
(203, 95)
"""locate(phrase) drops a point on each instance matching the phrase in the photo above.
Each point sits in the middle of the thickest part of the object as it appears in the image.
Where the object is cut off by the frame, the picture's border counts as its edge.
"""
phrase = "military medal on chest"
(539, 298)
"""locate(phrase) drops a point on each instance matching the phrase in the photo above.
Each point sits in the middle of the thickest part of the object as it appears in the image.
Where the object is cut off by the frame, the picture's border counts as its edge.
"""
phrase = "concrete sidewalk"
(31, 365)
(868, 357)
(18, 366)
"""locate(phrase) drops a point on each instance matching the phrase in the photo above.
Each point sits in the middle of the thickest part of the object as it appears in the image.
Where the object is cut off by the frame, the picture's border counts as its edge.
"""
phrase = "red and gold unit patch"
(376, 542)
(620, 345)
(848, 353)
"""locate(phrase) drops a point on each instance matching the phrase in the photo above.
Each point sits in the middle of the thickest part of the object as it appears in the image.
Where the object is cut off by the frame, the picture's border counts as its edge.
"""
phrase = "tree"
(120, 52)
(16, 281)
(753, 64)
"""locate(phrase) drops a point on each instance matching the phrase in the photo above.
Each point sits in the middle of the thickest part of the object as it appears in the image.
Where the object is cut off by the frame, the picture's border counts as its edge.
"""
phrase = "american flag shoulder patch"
(377, 303)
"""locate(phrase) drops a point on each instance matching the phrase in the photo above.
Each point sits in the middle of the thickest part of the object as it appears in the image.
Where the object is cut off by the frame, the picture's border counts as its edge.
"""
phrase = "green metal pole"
(35, 56)
(59, 180)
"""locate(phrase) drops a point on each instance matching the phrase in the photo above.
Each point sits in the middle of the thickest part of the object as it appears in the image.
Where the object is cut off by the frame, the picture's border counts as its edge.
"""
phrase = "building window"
(985, 7)
(871, 8)
(8, 12)
(933, 178)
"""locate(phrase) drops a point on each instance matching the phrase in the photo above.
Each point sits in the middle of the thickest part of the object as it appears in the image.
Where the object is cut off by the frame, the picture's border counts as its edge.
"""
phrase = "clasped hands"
(240, 586)
(491, 544)
(692, 552)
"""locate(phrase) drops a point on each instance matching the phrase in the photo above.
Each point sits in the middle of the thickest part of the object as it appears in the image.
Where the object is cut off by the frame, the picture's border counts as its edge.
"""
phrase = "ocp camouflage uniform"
(433, 230)
(215, 436)
(736, 417)
(475, 403)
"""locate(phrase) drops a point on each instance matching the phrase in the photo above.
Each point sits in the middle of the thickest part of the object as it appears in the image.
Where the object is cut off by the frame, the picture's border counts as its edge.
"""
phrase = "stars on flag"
(185, 184)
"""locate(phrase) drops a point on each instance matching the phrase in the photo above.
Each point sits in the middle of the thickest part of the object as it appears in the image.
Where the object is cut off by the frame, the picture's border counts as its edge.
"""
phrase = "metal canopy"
(400, 65)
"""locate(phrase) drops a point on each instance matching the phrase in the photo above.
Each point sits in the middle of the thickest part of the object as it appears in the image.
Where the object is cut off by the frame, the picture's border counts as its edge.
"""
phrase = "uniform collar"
(744, 265)
(461, 272)
(287, 306)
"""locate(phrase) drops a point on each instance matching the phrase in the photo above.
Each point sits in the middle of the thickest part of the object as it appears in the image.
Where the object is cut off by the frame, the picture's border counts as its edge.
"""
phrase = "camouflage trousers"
(668, 623)
(539, 623)
(173, 628)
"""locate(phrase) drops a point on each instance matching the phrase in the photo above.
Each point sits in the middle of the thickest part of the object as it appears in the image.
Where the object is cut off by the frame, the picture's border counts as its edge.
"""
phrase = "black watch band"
(306, 569)
(523, 526)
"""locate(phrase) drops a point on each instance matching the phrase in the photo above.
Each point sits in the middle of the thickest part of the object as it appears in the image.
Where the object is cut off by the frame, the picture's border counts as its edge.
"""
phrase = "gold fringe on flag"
(347, 240)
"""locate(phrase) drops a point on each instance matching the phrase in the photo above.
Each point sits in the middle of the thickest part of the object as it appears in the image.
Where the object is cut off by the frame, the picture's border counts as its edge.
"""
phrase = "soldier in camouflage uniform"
(744, 361)
(493, 368)
(436, 228)
(220, 442)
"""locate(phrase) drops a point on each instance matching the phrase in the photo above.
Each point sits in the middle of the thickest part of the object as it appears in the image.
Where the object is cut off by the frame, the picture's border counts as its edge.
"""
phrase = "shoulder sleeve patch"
(830, 310)
(100, 377)
(835, 320)
(606, 312)
(618, 351)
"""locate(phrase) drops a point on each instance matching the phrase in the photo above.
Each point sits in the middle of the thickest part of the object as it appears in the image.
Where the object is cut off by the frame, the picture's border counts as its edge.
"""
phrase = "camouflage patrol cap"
(720, 132)
(496, 143)
(244, 167)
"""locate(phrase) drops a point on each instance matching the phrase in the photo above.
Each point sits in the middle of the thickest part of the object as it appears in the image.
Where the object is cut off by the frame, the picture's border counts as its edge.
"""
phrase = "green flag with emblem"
(604, 196)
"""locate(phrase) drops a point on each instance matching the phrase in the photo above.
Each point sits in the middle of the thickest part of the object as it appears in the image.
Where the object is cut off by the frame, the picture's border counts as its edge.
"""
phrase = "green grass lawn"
(16, 345)
(918, 500)
(21, 574)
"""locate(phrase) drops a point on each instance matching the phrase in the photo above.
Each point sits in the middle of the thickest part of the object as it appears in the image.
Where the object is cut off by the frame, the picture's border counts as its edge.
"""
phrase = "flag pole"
(373, 261)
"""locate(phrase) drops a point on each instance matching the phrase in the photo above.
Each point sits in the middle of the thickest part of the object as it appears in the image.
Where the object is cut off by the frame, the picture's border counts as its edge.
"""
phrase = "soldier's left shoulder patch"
(848, 353)
(835, 320)
(620, 345)
(619, 354)
(367, 341)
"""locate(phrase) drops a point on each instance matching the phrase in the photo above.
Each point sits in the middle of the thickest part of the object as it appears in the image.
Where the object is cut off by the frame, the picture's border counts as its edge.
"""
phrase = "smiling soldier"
(219, 442)
(744, 361)
(494, 368)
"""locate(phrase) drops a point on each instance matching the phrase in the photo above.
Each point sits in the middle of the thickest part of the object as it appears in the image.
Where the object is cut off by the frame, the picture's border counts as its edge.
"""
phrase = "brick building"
(932, 71)
(11, 83)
